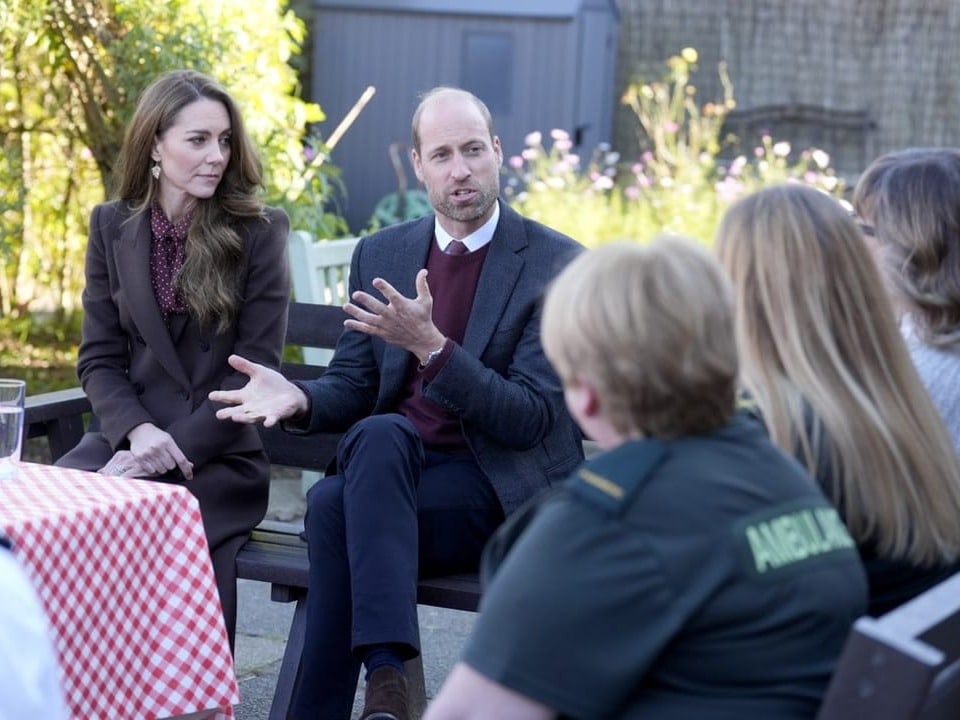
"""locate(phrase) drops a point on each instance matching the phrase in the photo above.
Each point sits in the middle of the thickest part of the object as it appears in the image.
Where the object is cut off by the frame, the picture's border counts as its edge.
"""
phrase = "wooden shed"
(538, 64)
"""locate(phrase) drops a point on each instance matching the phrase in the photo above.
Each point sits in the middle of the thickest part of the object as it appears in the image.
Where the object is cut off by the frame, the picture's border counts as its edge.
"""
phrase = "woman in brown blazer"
(186, 267)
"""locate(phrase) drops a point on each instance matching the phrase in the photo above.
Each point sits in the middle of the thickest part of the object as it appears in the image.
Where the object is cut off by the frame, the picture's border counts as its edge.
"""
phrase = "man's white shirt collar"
(475, 240)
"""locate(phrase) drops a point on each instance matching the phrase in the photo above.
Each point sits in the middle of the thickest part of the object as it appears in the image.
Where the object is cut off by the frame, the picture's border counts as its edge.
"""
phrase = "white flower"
(781, 149)
(821, 158)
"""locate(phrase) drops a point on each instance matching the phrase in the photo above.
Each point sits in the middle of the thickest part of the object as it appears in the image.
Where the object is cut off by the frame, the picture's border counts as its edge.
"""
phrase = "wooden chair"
(904, 665)
(320, 270)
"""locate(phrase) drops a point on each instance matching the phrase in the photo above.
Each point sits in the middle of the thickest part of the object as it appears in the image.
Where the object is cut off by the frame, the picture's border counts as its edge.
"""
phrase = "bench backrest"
(320, 270)
(60, 416)
(904, 665)
(309, 326)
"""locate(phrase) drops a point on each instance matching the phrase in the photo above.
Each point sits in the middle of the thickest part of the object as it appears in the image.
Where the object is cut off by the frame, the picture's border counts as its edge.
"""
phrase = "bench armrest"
(58, 415)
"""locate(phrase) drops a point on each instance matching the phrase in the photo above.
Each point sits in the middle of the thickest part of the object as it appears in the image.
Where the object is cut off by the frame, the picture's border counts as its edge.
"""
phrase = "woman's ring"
(120, 469)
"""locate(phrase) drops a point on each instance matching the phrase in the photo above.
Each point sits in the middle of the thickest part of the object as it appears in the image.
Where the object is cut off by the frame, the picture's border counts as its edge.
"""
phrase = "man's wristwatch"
(431, 356)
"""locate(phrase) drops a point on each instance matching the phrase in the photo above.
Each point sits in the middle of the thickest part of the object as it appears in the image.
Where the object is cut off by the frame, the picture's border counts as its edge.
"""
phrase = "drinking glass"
(12, 396)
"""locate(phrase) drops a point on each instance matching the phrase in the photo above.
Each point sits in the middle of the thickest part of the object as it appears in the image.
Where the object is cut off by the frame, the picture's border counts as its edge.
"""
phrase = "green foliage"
(310, 188)
(70, 74)
(40, 351)
(678, 185)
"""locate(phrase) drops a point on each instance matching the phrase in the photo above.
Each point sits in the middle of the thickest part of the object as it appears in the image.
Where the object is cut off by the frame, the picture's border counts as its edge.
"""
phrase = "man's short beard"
(468, 213)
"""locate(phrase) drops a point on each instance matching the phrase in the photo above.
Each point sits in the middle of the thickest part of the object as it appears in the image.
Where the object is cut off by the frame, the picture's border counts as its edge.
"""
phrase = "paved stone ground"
(262, 625)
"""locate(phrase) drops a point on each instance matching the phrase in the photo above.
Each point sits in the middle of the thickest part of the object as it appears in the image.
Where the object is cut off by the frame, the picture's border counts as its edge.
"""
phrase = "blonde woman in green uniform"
(691, 571)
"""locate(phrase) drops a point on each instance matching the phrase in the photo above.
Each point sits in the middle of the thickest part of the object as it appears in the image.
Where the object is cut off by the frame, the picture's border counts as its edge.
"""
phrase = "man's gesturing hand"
(268, 396)
(401, 321)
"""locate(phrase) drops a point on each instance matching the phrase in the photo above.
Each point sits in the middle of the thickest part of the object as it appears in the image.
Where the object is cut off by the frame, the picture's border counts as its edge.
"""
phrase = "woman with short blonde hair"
(600, 329)
(822, 357)
(690, 569)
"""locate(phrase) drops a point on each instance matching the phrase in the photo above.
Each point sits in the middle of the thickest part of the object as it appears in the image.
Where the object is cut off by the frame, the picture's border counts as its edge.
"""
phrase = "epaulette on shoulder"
(747, 404)
(610, 480)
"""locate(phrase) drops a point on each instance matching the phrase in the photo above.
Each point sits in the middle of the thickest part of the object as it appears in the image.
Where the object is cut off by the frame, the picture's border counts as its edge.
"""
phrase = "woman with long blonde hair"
(824, 361)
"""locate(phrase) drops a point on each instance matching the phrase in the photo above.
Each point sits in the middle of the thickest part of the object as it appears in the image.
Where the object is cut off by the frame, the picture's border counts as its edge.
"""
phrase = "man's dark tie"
(456, 248)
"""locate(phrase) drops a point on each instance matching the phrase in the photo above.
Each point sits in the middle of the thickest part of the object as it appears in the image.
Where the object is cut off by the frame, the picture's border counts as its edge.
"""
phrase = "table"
(123, 570)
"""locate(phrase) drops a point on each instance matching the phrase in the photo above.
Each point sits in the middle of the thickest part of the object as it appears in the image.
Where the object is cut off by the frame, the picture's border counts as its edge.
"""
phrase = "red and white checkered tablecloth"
(123, 570)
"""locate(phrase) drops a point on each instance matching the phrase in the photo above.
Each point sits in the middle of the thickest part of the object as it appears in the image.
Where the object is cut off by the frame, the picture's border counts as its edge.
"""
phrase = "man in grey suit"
(453, 416)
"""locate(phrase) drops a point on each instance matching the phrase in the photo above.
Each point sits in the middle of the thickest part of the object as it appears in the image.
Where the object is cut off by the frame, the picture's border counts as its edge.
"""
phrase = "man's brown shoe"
(386, 695)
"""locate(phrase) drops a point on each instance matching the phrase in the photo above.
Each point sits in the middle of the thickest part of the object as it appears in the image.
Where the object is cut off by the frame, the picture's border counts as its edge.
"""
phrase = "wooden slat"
(281, 559)
(904, 665)
(55, 405)
(317, 326)
(59, 416)
(457, 592)
(310, 452)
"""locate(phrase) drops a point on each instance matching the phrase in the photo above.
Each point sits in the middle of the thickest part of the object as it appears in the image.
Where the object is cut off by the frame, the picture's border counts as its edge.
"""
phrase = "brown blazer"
(135, 369)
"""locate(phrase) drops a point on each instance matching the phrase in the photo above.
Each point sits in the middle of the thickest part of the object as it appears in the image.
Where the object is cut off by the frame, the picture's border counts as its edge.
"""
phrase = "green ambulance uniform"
(692, 579)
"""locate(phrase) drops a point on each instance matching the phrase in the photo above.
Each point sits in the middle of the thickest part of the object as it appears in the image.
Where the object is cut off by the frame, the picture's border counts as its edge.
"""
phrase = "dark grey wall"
(548, 70)
(896, 59)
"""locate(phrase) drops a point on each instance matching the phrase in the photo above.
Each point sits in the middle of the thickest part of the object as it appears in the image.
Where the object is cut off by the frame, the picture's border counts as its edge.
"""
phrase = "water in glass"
(12, 396)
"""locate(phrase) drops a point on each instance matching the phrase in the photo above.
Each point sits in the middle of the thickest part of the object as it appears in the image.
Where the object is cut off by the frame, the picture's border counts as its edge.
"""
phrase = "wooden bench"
(904, 665)
(272, 555)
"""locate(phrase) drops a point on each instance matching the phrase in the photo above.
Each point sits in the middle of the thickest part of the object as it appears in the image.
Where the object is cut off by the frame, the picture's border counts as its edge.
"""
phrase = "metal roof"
(510, 8)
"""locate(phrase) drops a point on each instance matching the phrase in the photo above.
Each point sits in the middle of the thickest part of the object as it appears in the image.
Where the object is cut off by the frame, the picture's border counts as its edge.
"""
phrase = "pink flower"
(729, 189)
(737, 166)
(516, 162)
